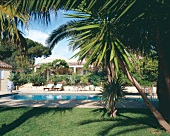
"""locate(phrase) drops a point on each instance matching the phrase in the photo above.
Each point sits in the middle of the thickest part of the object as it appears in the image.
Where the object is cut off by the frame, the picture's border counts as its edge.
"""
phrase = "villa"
(76, 66)
(5, 70)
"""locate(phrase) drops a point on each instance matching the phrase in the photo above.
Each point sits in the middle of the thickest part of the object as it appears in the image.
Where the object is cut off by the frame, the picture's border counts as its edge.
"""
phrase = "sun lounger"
(49, 87)
(58, 87)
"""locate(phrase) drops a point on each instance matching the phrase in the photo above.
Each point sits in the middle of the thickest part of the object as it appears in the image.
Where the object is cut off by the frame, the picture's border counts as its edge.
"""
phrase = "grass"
(76, 122)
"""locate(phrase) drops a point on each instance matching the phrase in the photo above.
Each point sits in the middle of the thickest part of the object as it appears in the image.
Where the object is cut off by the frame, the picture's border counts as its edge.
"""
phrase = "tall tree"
(98, 33)
(162, 31)
(12, 55)
(152, 32)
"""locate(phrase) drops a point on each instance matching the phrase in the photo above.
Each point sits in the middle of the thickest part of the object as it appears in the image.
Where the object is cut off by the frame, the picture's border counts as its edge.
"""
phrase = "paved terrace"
(29, 89)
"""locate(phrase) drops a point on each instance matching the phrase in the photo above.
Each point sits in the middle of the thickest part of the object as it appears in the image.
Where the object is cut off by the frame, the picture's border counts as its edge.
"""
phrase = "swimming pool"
(40, 97)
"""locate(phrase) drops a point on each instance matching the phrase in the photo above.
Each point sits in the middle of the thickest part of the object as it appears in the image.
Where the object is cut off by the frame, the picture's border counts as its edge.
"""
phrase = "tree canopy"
(13, 55)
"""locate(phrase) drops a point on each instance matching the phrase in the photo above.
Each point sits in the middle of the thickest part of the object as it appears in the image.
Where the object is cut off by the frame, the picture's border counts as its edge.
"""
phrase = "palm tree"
(15, 12)
(9, 19)
(46, 68)
(152, 32)
(97, 32)
(112, 93)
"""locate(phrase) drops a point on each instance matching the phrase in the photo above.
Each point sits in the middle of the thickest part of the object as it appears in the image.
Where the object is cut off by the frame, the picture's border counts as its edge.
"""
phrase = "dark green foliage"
(37, 79)
(73, 79)
(14, 56)
(59, 63)
(6, 50)
(96, 78)
(18, 78)
(57, 78)
(62, 71)
(84, 80)
(57, 67)
(36, 50)
(146, 72)
(21, 64)
(140, 78)
(149, 69)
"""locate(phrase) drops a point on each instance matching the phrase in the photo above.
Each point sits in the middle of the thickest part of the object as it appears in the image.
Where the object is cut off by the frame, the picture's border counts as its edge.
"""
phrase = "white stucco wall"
(5, 74)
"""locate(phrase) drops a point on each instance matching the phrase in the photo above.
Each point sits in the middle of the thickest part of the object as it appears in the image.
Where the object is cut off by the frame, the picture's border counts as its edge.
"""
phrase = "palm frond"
(64, 31)
(97, 35)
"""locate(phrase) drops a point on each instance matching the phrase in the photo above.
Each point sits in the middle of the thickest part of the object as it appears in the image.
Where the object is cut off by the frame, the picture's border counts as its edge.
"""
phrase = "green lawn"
(76, 122)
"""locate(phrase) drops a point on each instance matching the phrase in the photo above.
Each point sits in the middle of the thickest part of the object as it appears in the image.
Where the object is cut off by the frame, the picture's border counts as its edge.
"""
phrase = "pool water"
(54, 97)
(39, 97)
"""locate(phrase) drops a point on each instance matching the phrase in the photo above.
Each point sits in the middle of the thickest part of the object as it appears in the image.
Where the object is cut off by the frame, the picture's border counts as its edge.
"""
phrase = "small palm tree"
(84, 80)
(112, 93)
(73, 79)
(45, 70)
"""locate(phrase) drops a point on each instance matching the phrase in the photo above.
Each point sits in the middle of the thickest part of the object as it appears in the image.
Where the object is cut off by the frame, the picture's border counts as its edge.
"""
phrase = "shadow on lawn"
(33, 112)
(36, 111)
(124, 120)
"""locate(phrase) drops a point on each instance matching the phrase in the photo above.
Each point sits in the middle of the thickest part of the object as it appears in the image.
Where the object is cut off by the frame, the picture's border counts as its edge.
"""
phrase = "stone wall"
(4, 78)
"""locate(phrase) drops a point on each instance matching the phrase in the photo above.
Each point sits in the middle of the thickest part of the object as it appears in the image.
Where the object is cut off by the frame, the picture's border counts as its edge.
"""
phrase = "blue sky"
(39, 32)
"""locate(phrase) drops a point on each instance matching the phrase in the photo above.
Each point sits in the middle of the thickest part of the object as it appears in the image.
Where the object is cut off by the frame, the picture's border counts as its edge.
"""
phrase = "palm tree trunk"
(110, 75)
(156, 113)
(163, 89)
(114, 109)
(163, 96)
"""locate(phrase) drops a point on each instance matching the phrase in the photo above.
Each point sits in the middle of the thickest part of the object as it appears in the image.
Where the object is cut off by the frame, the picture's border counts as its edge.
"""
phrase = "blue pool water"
(40, 97)
(54, 97)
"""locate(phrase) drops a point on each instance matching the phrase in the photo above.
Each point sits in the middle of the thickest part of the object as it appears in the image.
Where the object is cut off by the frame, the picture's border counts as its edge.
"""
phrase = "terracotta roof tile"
(4, 65)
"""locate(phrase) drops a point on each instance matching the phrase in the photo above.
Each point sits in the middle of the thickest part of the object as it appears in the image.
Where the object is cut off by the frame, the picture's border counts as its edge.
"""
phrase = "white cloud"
(37, 36)
(61, 50)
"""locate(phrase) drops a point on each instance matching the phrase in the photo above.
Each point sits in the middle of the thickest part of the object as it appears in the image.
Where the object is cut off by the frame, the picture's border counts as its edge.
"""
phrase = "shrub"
(84, 80)
(37, 80)
(73, 79)
(18, 78)
(96, 79)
